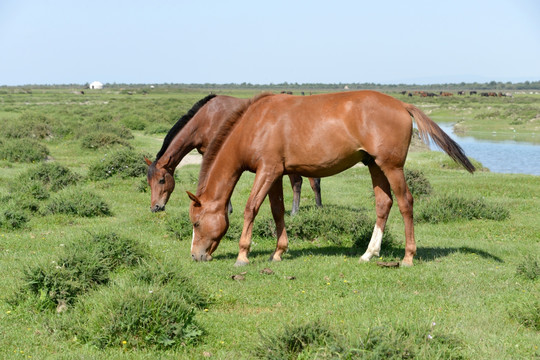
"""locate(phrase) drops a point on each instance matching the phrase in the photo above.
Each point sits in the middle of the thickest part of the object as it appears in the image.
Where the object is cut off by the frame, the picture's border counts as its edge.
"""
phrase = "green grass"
(123, 286)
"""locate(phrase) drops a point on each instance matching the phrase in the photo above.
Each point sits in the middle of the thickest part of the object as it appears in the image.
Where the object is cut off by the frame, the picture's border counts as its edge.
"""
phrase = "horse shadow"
(423, 254)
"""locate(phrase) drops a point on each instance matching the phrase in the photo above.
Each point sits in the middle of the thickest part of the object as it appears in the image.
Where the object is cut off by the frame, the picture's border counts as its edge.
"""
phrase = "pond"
(510, 157)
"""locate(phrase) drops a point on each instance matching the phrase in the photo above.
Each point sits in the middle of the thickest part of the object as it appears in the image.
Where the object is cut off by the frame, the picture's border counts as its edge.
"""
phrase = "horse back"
(324, 134)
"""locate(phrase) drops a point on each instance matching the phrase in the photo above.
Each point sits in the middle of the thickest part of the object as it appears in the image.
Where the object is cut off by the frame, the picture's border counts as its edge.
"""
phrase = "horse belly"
(319, 164)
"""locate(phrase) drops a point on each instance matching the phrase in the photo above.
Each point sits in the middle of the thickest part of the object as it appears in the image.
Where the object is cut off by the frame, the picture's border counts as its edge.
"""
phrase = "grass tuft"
(529, 267)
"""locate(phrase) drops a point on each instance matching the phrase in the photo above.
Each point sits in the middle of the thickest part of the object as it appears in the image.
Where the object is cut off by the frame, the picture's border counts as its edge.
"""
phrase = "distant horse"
(195, 130)
(314, 136)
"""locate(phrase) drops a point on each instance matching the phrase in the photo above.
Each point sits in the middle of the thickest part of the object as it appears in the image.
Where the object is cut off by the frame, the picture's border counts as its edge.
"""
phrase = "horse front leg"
(296, 183)
(275, 195)
(262, 184)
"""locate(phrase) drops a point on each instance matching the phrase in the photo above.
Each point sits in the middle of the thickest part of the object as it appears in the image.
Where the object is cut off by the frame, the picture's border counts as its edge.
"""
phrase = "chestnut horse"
(195, 130)
(278, 134)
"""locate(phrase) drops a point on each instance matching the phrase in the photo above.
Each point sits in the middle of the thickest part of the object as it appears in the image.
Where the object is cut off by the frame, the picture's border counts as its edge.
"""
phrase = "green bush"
(29, 125)
(134, 122)
(13, 218)
(294, 342)
(417, 182)
(106, 128)
(137, 318)
(124, 163)
(158, 128)
(53, 176)
(170, 276)
(84, 264)
(97, 140)
(22, 150)
(448, 208)
(77, 201)
(336, 225)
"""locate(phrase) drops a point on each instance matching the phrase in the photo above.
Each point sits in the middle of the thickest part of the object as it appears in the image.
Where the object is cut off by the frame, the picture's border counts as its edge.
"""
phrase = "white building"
(96, 85)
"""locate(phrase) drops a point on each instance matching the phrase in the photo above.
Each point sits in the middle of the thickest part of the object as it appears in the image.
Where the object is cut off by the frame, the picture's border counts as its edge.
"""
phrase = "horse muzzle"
(157, 208)
(201, 257)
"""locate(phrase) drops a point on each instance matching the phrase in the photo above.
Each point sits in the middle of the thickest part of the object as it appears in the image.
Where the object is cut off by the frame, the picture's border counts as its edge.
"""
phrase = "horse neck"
(220, 181)
(189, 138)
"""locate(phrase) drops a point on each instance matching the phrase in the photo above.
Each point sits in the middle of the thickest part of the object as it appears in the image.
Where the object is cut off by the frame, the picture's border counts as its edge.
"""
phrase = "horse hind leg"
(405, 203)
(383, 204)
(296, 183)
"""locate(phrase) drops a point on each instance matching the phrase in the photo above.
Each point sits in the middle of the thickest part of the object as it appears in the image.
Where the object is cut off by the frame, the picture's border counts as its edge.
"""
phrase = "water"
(510, 157)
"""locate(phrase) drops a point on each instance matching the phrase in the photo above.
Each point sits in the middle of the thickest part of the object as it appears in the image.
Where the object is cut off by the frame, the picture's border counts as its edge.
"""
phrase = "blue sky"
(262, 42)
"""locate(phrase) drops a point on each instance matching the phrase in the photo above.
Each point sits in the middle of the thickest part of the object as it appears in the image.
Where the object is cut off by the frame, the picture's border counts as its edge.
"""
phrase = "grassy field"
(90, 273)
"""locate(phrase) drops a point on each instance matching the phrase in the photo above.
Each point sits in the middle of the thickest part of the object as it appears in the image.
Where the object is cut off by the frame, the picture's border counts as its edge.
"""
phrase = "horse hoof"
(406, 263)
(240, 263)
(362, 260)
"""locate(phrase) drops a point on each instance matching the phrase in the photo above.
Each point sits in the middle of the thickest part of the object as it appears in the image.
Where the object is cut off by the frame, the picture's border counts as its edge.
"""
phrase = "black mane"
(181, 123)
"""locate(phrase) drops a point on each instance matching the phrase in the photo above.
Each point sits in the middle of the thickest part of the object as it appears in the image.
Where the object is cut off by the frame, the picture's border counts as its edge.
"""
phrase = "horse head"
(161, 182)
(210, 223)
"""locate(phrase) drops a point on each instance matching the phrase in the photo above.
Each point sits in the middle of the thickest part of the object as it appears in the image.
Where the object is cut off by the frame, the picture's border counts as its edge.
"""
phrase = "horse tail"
(429, 129)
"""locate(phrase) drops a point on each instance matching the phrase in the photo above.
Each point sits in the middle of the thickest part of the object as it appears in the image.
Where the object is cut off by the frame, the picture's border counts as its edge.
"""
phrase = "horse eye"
(196, 224)
(162, 181)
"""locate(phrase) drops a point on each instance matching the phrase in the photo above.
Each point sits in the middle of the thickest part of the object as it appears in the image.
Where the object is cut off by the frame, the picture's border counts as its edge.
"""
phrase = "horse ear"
(148, 161)
(194, 198)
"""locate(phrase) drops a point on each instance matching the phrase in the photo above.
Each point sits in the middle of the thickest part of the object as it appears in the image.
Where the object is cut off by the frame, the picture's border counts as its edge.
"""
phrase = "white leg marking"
(374, 246)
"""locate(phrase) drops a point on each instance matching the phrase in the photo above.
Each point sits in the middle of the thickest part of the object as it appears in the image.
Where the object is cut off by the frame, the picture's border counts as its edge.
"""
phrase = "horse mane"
(181, 123)
(218, 140)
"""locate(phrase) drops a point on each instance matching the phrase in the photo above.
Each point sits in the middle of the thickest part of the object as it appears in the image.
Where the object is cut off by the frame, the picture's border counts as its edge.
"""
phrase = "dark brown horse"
(278, 134)
(195, 130)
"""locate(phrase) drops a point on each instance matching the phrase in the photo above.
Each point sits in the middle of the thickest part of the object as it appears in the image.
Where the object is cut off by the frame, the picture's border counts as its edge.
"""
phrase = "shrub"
(77, 201)
(29, 125)
(158, 128)
(97, 140)
(134, 317)
(294, 341)
(107, 128)
(417, 182)
(13, 218)
(24, 151)
(134, 122)
(53, 176)
(448, 208)
(334, 224)
(169, 276)
(85, 264)
(179, 225)
(124, 162)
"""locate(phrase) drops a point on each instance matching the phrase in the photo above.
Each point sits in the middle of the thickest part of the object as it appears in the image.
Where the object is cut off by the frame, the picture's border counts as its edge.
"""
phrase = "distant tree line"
(493, 85)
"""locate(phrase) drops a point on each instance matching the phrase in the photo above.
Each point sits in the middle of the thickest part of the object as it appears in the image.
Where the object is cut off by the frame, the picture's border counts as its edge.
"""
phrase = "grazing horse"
(195, 130)
(315, 136)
